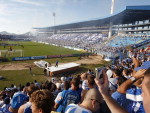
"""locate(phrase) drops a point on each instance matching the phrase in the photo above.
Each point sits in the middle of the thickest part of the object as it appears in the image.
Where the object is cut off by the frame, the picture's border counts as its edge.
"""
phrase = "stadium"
(113, 48)
(129, 27)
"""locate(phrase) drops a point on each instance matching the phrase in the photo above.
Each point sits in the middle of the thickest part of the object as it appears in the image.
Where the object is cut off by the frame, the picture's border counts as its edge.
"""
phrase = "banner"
(20, 58)
(38, 57)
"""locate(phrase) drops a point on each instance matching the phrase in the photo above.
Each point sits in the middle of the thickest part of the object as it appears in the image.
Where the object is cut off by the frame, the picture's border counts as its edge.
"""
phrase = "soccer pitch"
(35, 49)
(30, 49)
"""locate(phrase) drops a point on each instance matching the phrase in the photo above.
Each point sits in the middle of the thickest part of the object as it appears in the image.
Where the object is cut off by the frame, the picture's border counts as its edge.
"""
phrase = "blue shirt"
(123, 101)
(134, 94)
(68, 97)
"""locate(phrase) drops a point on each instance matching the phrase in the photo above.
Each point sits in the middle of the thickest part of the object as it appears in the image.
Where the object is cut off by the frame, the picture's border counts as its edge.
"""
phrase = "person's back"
(26, 108)
(91, 103)
(69, 96)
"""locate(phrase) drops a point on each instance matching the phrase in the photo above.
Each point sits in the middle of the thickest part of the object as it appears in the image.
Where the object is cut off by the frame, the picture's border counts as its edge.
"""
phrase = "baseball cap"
(145, 65)
(18, 99)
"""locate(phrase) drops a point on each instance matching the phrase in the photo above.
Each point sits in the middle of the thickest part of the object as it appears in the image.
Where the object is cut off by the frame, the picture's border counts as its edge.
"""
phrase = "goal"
(13, 53)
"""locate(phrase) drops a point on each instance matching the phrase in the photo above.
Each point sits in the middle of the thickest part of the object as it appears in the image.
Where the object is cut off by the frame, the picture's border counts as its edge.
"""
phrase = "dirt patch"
(20, 66)
(90, 60)
(17, 66)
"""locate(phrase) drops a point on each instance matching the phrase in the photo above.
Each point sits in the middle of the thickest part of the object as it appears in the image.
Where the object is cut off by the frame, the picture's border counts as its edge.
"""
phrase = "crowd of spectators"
(75, 40)
(94, 42)
(125, 88)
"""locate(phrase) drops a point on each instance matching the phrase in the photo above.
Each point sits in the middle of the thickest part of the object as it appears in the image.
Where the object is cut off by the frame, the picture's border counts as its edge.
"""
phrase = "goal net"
(13, 53)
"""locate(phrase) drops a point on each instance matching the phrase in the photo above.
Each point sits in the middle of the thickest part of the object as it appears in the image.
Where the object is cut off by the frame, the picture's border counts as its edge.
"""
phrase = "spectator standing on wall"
(30, 70)
(56, 65)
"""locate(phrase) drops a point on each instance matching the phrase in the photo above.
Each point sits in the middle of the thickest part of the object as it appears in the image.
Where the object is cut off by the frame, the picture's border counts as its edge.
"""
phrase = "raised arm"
(103, 88)
(124, 86)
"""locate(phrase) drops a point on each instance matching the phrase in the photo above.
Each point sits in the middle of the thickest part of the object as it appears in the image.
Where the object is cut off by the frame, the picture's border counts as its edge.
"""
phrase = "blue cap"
(145, 65)
(18, 99)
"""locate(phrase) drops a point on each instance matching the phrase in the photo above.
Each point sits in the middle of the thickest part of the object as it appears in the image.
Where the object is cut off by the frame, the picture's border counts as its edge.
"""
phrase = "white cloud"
(7, 9)
(3, 8)
(36, 3)
(4, 21)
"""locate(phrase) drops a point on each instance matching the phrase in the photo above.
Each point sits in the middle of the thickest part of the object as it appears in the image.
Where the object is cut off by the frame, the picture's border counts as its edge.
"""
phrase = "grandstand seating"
(123, 41)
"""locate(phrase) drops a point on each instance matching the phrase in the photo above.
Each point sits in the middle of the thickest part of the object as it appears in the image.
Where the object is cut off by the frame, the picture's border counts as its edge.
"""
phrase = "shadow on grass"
(4, 79)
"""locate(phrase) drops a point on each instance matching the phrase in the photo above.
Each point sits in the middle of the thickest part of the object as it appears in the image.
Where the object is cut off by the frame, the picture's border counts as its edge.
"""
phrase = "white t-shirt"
(84, 85)
(74, 108)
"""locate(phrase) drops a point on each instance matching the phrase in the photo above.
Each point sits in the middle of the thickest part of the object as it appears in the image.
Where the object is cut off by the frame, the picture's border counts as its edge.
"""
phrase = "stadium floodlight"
(112, 7)
(54, 14)
(110, 25)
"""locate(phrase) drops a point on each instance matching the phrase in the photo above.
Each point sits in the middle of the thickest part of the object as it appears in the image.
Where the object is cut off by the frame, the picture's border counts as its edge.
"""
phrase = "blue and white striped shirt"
(74, 108)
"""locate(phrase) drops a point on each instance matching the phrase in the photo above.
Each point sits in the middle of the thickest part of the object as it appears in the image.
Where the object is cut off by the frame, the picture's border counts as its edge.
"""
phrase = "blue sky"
(20, 16)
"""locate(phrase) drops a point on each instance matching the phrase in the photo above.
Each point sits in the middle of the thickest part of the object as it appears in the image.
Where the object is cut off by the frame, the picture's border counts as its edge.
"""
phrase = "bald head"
(93, 94)
(92, 100)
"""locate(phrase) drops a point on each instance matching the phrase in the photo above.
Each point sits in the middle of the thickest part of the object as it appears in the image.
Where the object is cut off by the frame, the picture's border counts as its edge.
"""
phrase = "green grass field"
(35, 49)
(38, 49)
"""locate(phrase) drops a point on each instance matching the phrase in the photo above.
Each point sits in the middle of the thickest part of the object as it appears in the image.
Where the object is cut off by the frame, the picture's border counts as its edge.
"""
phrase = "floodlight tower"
(54, 17)
(112, 7)
(111, 12)
(54, 20)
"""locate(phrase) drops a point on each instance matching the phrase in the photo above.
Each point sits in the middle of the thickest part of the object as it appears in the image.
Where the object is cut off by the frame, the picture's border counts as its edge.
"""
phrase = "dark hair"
(43, 99)
(31, 89)
(75, 82)
(66, 85)
(118, 72)
(53, 87)
(48, 85)
(90, 79)
(28, 84)
(127, 71)
(21, 88)
(121, 79)
(7, 100)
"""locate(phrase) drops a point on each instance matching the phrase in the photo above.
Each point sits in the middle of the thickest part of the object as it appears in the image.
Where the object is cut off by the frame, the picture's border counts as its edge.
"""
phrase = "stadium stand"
(125, 84)
(129, 27)
(122, 84)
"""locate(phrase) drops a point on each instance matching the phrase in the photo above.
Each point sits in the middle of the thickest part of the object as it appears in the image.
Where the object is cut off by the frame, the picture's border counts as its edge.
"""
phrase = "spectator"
(84, 80)
(2, 97)
(5, 107)
(42, 101)
(90, 83)
(36, 83)
(56, 65)
(59, 96)
(26, 108)
(91, 103)
(18, 99)
(103, 88)
(68, 97)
